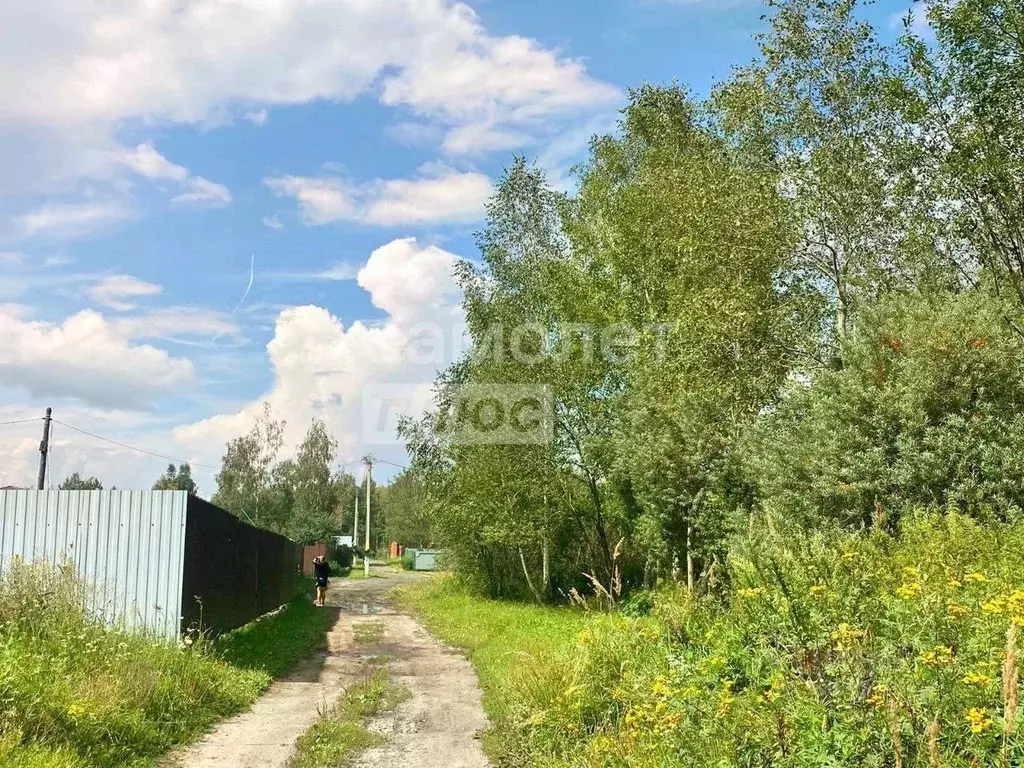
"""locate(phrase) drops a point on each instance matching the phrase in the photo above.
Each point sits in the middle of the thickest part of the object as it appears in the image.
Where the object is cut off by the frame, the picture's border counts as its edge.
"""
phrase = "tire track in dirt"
(439, 723)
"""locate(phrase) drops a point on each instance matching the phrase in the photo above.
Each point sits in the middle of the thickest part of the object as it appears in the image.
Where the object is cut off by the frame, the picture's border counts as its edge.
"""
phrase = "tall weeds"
(74, 692)
(827, 649)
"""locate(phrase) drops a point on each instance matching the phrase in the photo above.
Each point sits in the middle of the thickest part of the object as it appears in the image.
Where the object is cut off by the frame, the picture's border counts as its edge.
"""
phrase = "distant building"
(13, 488)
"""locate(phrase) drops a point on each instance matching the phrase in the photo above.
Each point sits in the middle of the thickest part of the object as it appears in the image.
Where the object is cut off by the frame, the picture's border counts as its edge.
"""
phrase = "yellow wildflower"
(912, 572)
(907, 591)
(845, 636)
(751, 592)
(76, 710)
(726, 702)
(939, 657)
(995, 605)
(955, 584)
(979, 720)
(660, 687)
(877, 697)
(848, 557)
(976, 678)
(957, 611)
(1015, 604)
(818, 589)
(975, 578)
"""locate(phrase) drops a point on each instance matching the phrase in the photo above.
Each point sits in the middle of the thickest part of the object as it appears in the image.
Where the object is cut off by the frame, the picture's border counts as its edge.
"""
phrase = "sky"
(210, 204)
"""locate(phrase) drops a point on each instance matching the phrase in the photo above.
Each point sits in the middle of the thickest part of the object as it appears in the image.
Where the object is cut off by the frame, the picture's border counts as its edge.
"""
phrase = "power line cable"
(385, 461)
(133, 448)
(21, 421)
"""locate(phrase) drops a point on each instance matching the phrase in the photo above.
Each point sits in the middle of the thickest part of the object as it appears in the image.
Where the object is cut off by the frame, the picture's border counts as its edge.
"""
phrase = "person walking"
(321, 573)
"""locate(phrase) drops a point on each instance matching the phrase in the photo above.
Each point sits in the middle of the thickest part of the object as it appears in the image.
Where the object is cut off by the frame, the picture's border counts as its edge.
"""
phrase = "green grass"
(823, 649)
(75, 694)
(358, 572)
(339, 735)
(368, 632)
(274, 643)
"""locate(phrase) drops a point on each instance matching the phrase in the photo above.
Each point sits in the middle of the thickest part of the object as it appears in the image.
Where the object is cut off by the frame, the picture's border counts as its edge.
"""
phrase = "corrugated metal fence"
(162, 561)
(233, 571)
(128, 545)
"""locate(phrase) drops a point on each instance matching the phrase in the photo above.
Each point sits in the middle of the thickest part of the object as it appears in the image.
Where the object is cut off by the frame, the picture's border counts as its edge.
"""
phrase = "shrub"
(925, 411)
(343, 558)
(75, 693)
(828, 649)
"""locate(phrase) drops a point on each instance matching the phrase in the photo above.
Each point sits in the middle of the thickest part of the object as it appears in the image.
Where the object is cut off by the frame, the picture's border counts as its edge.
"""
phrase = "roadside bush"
(343, 556)
(829, 649)
(926, 411)
(76, 693)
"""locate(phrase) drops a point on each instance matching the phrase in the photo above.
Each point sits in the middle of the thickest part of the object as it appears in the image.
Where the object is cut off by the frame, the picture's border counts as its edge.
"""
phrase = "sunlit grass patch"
(340, 734)
(368, 632)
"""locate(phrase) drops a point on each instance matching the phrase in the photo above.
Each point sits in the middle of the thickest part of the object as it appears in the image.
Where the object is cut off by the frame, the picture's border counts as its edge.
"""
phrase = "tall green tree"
(926, 413)
(696, 239)
(246, 482)
(176, 479)
(824, 108)
(966, 148)
(314, 489)
(75, 482)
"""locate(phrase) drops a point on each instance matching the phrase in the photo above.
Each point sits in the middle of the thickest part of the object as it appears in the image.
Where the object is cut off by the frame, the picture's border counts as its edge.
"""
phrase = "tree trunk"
(689, 557)
(546, 558)
(526, 573)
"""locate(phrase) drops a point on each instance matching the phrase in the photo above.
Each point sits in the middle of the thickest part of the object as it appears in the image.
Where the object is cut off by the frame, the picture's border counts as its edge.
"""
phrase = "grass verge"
(340, 734)
(822, 649)
(274, 643)
(368, 632)
(75, 694)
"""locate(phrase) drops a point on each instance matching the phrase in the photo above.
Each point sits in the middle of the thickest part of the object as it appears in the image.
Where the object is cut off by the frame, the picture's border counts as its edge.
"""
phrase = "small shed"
(425, 559)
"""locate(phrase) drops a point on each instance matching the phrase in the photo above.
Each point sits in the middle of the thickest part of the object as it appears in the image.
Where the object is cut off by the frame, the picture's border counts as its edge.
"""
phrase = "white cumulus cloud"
(87, 358)
(148, 162)
(71, 74)
(119, 291)
(438, 194)
(335, 372)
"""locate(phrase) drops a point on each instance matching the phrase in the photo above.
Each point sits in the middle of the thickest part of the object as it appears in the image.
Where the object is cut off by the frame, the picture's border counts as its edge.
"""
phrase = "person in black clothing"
(321, 572)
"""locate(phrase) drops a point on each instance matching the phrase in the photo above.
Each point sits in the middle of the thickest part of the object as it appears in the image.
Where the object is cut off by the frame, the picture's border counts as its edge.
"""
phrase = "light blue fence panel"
(129, 546)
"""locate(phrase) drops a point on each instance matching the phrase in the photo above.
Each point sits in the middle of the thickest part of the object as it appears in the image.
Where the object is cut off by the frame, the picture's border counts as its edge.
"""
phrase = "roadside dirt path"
(438, 724)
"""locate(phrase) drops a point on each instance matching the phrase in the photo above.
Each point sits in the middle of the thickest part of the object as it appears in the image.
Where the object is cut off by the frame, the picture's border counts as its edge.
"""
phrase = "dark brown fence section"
(308, 553)
(233, 572)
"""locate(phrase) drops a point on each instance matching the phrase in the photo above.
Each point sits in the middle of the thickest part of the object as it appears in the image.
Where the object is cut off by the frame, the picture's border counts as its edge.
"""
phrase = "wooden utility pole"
(44, 450)
(355, 523)
(369, 480)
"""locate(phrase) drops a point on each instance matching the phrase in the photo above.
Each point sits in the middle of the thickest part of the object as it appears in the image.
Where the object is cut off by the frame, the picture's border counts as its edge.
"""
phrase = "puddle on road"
(364, 609)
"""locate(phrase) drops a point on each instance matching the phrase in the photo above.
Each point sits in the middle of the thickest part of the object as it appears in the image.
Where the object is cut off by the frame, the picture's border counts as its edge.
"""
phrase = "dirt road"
(438, 723)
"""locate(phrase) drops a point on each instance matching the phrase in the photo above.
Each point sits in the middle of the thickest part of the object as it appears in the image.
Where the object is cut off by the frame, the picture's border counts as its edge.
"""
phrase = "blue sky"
(157, 151)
